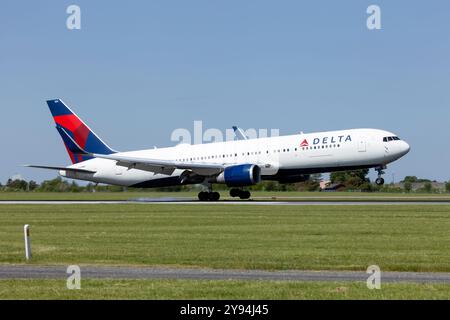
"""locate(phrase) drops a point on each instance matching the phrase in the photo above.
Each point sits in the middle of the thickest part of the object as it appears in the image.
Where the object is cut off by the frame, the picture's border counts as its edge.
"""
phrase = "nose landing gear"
(380, 181)
(242, 194)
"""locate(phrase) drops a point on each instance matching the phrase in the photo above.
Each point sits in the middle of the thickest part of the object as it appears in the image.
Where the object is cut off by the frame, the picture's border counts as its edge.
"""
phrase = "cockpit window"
(394, 138)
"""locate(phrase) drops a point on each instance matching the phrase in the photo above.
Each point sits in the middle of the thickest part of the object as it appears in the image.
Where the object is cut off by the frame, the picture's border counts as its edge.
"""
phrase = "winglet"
(239, 133)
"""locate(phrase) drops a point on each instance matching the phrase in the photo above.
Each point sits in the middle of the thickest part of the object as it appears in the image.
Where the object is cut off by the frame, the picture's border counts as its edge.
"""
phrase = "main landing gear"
(215, 196)
(208, 195)
(380, 181)
(242, 194)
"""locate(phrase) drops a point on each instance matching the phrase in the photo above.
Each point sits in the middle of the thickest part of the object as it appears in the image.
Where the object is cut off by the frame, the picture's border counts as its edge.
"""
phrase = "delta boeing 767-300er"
(238, 164)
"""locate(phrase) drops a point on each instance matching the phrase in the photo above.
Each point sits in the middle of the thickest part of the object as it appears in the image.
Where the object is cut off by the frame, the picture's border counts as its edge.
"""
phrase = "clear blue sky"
(137, 70)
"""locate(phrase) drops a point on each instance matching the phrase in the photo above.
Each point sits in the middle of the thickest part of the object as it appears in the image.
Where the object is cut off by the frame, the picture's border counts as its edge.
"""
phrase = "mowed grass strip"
(258, 195)
(216, 289)
(397, 238)
(90, 196)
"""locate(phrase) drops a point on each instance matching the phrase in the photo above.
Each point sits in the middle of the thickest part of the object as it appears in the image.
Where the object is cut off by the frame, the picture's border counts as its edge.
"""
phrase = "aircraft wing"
(60, 168)
(162, 166)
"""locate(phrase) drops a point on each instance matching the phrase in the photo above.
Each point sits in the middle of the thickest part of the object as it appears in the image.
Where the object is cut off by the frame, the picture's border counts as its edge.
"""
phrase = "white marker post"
(26, 234)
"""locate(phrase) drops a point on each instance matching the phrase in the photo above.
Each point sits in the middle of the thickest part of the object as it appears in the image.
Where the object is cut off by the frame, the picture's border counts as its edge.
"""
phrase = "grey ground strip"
(231, 202)
(60, 202)
(104, 272)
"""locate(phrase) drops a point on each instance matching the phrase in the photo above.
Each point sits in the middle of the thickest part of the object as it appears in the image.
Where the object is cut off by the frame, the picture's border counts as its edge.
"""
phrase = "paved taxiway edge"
(104, 272)
(225, 202)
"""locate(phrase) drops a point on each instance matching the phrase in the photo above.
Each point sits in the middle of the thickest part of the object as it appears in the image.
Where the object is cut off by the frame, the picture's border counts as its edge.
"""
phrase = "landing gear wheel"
(380, 181)
(208, 196)
(234, 192)
(203, 195)
(244, 194)
(214, 196)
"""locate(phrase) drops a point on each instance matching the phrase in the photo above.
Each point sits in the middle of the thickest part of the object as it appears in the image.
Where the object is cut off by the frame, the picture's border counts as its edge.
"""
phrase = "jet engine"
(240, 175)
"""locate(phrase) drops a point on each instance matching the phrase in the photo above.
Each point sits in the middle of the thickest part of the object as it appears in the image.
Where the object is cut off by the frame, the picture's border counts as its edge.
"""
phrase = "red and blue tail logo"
(77, 137)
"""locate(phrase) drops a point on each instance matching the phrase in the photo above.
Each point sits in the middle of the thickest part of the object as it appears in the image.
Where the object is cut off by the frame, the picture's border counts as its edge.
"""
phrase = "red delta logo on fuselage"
(326, 140)
(304, 143)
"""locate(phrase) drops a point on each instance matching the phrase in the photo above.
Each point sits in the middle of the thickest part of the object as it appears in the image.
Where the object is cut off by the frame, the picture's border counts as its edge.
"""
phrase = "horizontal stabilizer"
(60, 168)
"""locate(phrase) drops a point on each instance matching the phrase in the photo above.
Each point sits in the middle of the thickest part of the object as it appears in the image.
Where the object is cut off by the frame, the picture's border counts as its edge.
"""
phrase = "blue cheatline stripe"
(161, 182)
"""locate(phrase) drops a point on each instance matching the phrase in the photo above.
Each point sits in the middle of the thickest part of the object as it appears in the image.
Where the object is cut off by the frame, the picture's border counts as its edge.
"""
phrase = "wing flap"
(146, 167)
(156, 165)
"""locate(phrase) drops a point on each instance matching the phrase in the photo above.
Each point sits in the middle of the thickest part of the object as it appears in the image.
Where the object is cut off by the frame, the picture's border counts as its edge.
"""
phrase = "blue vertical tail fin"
(78, 138)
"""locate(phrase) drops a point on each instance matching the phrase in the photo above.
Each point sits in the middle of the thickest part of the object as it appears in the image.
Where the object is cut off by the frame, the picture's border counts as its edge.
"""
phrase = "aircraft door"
(362, 146)
(118, 170)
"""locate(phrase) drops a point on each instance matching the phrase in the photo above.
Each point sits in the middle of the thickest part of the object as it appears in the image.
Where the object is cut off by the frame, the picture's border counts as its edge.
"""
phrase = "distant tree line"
(355, 180)
(55, 185)
(60, 185)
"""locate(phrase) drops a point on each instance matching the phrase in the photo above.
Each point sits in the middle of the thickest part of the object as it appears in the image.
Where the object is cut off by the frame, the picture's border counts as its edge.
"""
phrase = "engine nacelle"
(240, 175)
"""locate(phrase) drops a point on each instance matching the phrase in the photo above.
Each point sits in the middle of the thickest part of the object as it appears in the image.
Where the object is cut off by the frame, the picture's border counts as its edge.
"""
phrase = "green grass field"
(57, 196)
(217, 289)
(264, 195)
(397, 238)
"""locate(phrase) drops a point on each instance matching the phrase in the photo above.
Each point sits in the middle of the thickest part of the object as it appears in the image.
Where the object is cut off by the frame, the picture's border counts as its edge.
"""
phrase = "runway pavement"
(104, 272)
(63, 202)
(189, 201)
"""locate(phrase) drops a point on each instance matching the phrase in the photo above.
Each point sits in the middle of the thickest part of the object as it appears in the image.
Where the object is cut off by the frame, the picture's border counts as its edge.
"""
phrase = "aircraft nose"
(404, 148)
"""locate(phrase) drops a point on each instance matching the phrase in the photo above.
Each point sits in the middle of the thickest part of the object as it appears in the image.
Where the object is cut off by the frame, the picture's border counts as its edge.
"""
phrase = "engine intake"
(240, 175)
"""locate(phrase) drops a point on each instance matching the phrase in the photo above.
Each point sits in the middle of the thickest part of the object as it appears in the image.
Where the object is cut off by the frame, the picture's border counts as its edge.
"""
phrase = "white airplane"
(237, 164)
